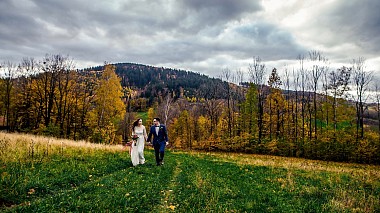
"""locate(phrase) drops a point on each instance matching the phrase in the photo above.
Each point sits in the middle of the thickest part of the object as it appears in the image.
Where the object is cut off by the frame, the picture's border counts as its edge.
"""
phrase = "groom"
(160, 140)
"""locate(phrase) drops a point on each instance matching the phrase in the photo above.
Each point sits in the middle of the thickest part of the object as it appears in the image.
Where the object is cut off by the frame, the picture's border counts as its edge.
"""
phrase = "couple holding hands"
(139, 135)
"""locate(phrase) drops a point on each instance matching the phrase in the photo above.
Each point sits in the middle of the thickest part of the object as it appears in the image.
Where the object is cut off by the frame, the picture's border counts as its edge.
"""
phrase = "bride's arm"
(145, 135)
(133, 131)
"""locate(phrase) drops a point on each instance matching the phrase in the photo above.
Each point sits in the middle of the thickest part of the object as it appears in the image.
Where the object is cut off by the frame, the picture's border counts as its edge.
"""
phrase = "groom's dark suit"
(159, 141)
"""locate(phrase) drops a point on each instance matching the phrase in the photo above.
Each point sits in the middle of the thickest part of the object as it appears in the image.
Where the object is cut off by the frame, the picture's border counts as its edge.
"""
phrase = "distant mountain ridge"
(154, 81)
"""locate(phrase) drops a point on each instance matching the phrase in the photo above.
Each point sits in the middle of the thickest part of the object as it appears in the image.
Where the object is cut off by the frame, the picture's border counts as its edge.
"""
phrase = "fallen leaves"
(31, 191)
(171, 207)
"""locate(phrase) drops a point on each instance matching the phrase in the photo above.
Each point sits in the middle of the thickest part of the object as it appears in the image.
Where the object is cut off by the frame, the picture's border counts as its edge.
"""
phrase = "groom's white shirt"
(157, 129)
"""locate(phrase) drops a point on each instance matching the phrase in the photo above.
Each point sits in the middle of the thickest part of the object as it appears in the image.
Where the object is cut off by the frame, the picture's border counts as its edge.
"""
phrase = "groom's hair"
(157, 119)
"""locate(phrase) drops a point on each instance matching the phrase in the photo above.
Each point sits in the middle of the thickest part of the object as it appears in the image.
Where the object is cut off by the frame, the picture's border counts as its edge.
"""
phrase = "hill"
(47, 174)
(154, 81)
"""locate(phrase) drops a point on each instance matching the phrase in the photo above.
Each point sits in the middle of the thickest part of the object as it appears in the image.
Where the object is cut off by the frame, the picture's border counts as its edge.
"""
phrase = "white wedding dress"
(137, 152)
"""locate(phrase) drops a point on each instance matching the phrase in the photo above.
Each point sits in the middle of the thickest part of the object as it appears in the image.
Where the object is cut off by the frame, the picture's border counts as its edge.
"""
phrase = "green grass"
(99, 180)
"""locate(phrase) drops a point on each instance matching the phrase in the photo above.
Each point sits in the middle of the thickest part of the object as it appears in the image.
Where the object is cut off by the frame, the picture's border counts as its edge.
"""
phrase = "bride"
(137, 152)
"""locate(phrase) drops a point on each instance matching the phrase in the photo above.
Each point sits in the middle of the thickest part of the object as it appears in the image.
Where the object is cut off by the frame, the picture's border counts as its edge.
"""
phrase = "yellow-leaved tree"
(204, 125)
(109, 109)
(151, 116)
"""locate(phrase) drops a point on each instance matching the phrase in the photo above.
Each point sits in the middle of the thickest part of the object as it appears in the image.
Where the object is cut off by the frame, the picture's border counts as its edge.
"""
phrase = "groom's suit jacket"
(162, 136)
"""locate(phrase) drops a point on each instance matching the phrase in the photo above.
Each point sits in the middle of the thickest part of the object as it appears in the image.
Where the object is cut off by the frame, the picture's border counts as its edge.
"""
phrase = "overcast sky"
(199, 35)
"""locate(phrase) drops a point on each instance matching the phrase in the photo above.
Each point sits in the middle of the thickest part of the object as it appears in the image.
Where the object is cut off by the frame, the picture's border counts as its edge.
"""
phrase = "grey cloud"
(242, 43)
(355, 21)
(265, 34)
(153, 32)
(16, 27)
(268, 41)
(200, 14)
(223, 9)
(196, 33)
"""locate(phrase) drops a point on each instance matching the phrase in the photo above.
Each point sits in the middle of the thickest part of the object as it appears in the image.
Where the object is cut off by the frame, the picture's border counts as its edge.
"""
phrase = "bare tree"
(166, 108)
(239, 77)
(239, 97)
(62, 100)
(213, 109)
(309, 105)
(227, 75)
(238, 80)
(52, 67)
(257, 72)
(295, 105)
(318, 67)
(9, 70)
(287, 111)
(325, 87)
(302, 73)
(361, 80)
(377, 98)
(28, 70)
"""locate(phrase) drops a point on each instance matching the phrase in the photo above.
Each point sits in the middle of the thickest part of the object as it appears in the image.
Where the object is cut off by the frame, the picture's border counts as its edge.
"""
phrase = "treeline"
(303, 113)
(50, 97)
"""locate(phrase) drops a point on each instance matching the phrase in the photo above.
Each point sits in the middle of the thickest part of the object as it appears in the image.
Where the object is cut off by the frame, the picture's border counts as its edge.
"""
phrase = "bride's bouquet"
(134, 138)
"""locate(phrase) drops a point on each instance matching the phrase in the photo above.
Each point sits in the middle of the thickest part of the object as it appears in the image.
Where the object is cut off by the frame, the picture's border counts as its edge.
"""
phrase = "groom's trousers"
(159, 151)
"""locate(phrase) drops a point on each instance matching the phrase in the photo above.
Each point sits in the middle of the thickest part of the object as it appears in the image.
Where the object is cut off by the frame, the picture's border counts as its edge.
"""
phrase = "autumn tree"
(109, 108)
(203, 130)
(81, 97)
(151, 115)
(275, 104)
(182, 131)
(249, 111)
(84, 99)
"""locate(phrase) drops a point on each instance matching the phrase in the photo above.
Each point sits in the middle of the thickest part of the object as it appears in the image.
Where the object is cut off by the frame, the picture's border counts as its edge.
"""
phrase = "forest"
(310, 111)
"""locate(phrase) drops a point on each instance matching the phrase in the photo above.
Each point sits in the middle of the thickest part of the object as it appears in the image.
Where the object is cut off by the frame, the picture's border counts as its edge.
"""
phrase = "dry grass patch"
(20, 147)
(353, 200)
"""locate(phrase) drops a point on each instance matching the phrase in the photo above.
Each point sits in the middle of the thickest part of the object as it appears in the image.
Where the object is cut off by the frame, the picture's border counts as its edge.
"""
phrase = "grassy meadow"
(41, 174)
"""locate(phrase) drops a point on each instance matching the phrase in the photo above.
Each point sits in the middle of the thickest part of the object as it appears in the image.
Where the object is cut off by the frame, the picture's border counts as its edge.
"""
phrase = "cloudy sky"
(199, 35)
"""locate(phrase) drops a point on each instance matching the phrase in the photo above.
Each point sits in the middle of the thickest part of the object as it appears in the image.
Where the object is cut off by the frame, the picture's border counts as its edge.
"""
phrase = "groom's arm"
(166, 134)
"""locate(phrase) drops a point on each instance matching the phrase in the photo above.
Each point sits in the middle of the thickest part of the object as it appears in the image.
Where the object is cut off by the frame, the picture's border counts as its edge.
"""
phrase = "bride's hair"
(136, 123)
